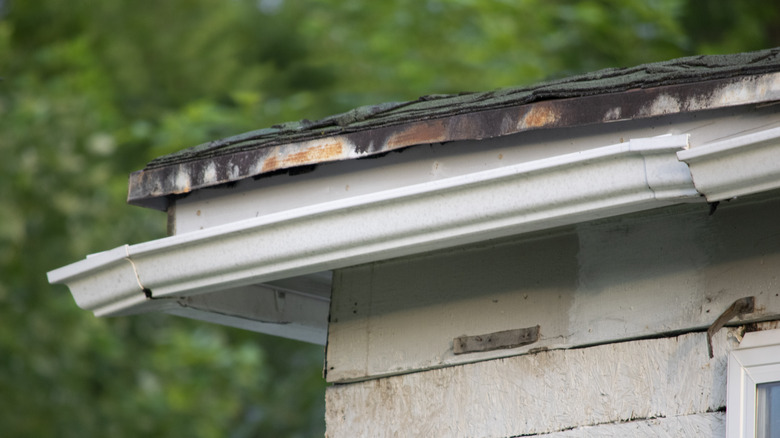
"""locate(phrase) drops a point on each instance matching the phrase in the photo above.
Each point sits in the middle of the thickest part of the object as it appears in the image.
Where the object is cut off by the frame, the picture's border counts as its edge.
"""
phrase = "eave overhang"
(271, 273)
(621, 178)
(152, 187)
(181, 274)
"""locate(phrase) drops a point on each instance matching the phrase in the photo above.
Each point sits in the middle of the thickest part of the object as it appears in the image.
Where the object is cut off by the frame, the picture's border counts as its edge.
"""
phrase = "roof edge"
(638, 175)
(153, 187)
(628, 177)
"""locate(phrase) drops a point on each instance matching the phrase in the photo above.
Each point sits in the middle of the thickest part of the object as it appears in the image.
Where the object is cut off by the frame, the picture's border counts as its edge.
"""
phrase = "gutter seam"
(144, 289)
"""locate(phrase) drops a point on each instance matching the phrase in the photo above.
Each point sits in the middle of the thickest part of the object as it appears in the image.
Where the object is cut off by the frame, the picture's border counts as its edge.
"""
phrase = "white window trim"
(756, 361)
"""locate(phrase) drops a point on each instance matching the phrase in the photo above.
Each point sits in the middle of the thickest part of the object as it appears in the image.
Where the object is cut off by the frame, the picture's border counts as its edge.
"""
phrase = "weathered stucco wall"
(622, 305)
(653, 387)
(711, 424)
(667, 271)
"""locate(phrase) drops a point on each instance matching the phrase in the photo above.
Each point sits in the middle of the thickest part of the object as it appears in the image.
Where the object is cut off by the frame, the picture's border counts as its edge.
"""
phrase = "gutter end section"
(736, 166)
(105, 284)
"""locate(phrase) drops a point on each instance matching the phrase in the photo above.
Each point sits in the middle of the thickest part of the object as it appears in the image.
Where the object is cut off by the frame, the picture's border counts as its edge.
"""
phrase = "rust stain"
(315, 154)
(183, 180)
(270, 163)
(538, 116)
(433, 131)
(319, 152)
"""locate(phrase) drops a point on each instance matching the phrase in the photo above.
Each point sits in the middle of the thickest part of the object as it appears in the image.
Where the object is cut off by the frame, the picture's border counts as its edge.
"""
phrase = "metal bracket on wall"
(739, 307)
(495, 341)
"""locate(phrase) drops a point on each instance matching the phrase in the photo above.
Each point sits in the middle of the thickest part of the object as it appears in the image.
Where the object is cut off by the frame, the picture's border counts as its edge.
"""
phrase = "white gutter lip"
(737, 166)
(566, 189)
(729, 146)
(94, 261)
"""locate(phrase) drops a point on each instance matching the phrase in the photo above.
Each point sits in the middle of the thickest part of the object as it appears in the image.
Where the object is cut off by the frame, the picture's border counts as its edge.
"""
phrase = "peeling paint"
(612, 114)
(271, 163)
(741, 90)
(429, 132)
(322, 152)
(539, 116)
(257, 167)
(735, 92)
(315, 152)
(210, 173)
(233, 171)
(183, 181)
(663, 104)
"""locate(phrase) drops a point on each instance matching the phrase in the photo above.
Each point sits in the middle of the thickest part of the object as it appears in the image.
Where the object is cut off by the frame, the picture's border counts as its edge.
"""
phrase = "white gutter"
(205, 274)
(741, 165)
(221, 274)
(637, 175)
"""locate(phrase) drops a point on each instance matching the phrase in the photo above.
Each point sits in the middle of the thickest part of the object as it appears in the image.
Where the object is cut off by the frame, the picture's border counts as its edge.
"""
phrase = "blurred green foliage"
(93, 90)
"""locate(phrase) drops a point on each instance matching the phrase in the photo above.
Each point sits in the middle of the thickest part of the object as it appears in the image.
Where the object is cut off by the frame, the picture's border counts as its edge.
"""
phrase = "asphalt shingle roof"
(611, 80)
(692, 83)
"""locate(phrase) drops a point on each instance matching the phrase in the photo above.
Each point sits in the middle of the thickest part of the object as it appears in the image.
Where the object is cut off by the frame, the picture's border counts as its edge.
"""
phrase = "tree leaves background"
(91, 91)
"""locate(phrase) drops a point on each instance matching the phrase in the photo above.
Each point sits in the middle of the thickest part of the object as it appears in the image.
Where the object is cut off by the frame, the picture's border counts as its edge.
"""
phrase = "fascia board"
(602, 182)
(736, 166)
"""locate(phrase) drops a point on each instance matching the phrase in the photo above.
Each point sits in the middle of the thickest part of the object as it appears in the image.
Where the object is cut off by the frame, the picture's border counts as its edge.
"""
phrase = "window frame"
(755, 361)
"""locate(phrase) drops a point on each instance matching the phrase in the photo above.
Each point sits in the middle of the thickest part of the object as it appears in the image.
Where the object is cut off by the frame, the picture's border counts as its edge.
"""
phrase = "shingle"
(611, 80)
(682, 85)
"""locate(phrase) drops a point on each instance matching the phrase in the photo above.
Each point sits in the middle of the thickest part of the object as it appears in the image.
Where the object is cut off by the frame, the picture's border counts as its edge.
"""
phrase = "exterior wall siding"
(623, 306)
(663, 272)
(651, 387)
(711, 424)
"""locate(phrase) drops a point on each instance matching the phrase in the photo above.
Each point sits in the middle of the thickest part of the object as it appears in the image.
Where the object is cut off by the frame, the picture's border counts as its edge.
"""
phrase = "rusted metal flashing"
(739, 307)
(151, 187)
(608, 81)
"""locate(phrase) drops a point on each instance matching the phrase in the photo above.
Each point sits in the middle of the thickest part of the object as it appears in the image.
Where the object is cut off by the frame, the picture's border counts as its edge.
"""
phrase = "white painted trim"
(756, 361)
(736, 166)
(611, 180)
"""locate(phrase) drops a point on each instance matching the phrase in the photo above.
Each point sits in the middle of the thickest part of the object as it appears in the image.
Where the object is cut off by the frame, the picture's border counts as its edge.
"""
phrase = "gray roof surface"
(375, 129)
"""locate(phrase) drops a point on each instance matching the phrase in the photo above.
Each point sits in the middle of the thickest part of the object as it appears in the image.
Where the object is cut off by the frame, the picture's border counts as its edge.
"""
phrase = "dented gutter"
(152, 187)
